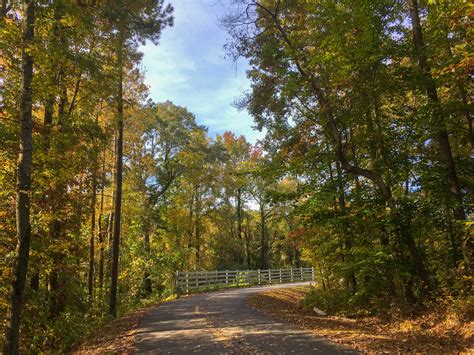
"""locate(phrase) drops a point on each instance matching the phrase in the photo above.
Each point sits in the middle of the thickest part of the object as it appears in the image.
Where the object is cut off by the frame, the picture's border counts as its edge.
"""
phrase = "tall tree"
(23, 186)
(133, 22)
(439, 125)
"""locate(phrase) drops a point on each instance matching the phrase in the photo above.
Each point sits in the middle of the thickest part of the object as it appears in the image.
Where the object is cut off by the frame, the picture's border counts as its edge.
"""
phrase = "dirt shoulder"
(431, 333)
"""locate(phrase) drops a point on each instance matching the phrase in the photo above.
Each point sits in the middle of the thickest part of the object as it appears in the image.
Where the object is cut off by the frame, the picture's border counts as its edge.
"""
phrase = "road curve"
(221, 322)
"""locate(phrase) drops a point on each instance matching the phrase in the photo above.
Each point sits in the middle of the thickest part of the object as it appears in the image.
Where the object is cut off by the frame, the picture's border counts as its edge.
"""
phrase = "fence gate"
(193, 280)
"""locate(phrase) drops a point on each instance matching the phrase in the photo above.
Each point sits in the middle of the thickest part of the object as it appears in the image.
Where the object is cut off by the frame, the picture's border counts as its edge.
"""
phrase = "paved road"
(221, 322)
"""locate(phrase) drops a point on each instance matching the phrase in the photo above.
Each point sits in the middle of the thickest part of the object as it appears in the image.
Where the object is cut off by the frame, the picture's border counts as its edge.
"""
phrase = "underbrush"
(438, 317)
(340, 302)
(336, 302)
(60, 334)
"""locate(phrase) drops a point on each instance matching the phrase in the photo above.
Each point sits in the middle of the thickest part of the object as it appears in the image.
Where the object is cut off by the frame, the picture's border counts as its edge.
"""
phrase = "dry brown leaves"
(117, 337)
(430, 333)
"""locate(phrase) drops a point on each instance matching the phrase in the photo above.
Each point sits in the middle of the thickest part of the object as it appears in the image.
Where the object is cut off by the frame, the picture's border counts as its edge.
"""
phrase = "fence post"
(258, 276)
(237, 276)
(270, 275)
(301, 273)
(291, 274)
(312, 273)
(280, 275)
(227, 277)
(197, 279)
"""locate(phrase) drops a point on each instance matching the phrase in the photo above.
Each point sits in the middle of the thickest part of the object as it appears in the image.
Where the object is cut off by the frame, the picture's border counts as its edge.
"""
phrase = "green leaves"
(354, 63)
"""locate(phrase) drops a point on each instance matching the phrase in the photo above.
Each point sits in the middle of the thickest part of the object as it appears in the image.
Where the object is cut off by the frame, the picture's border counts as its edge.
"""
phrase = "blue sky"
(190, 69)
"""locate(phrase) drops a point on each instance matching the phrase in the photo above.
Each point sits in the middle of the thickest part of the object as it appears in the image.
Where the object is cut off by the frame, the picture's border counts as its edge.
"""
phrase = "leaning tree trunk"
(441, 133)
(464, 99)
(23, 188)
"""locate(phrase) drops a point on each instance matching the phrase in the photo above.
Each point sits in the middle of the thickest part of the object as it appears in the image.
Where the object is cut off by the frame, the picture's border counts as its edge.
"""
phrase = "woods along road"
(222, 322)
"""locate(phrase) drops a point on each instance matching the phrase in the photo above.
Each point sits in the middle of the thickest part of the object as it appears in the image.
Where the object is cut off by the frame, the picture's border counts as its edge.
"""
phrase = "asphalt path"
(222, 323)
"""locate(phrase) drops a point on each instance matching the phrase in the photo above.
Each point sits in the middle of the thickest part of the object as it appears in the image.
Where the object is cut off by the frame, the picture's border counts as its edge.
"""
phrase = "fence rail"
(193, 280)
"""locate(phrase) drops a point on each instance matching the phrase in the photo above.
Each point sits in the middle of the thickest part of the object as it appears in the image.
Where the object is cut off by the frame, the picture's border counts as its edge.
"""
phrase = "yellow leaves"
(123, 275)
(67, 21)
(287, 185)
(406, 62)
(303, 217)
(408, 326)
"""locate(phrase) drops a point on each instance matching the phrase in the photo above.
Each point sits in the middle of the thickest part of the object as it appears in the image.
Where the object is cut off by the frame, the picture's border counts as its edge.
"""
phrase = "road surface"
(221, 322)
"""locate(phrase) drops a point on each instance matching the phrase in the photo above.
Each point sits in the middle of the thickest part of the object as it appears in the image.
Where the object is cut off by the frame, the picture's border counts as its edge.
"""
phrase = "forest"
(365, 172)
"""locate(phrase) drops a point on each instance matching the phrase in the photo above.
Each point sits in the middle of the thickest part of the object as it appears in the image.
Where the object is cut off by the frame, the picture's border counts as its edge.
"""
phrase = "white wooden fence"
(193, 280)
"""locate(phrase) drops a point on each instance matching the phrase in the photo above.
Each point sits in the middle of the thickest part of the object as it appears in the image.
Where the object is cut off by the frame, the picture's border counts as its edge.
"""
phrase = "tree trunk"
(110, 232)
(247, 243)
(118, 183)
(263, 246)
(441, 134)
(406, 237)
(5, 7)
(191, 220)
(198, 227)
(90, 279)
(35, 281)
(47, 122)
(23, 188)
(110, 225)
(147, 285)
(297, 257)
(347, 243)
(56, 302)
(239, 213)
(239, 224)
(57, 291)
(101, 237)
(467, 112)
